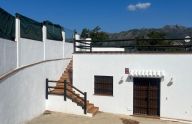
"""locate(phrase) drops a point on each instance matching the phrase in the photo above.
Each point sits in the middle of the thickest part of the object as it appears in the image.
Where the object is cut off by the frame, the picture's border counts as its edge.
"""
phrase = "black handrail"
(143, 39)
(65, 92)
(171, 45)
(76, 88)
(83, 42)
(83, 45)
(46, 89)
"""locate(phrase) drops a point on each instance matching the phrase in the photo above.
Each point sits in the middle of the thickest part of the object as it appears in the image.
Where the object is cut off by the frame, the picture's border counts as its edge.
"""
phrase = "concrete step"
(89, 106)
(64, 74)
(56, 92)
(78, 99)
(62, 84)
(93, 110)
(60, 87)
(59, 91)
(64, 78)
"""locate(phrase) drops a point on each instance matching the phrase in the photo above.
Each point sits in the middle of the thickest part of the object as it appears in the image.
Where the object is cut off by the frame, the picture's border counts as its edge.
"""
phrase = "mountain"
(170, 31)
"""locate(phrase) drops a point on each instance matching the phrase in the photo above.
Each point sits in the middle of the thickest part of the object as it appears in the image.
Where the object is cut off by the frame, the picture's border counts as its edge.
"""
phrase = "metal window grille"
(103, 85)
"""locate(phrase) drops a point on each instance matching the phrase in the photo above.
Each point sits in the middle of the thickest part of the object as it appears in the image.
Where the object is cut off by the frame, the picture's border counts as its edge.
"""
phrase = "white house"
(35, 64)
(149, 84)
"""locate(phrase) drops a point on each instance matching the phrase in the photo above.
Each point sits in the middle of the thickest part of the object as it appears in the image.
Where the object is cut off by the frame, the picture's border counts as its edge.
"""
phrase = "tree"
(96, 29)
(153, 35)
(85, 33)
(154, 38)
(75, 31)
(156, 35)
(96, 34)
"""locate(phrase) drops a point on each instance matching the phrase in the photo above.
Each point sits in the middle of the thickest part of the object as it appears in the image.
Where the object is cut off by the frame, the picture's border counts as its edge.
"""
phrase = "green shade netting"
(54, 32)
(69, 35)
(7, 25)
(29, 28)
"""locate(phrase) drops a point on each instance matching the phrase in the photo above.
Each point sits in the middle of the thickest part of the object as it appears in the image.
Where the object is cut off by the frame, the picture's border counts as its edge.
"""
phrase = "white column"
(77, 37)
(44, 41)
(17, 38)
(63, 35)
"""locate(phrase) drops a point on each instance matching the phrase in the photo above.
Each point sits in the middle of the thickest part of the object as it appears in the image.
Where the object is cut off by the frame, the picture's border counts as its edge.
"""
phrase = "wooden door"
(146, 96)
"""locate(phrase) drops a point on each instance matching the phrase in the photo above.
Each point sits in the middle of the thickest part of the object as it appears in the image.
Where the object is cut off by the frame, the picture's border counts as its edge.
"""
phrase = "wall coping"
(12, 72)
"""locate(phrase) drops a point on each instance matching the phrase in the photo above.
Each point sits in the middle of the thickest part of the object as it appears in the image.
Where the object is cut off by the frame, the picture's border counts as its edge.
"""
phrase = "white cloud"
(132, 7)
(138, 6)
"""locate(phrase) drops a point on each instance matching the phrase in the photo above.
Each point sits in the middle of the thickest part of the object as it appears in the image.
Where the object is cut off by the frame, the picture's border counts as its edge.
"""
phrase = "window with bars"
(103, 85)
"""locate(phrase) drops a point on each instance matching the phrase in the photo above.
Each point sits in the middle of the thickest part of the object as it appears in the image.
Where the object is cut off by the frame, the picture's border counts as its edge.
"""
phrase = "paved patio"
(100, 118)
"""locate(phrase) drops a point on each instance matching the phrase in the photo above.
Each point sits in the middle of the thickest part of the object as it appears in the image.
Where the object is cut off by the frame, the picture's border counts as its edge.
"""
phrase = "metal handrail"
(83, 47)
(83, 42)
(154, 46)
(65, 92)
(177, 45)
(142, 39)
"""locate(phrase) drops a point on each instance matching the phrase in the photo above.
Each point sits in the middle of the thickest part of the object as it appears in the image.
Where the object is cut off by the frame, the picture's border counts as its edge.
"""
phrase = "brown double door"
(146, 96)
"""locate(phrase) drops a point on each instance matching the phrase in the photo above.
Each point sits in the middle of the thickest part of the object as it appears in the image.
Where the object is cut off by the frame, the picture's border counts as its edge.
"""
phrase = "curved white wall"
(8, 53)
(30, 51)
(68, 50)
(53, 49)
(23, 93)
(24, 51)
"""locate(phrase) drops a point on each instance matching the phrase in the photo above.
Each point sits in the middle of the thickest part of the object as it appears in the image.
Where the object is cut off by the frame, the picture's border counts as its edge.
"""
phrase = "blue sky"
(110, 15)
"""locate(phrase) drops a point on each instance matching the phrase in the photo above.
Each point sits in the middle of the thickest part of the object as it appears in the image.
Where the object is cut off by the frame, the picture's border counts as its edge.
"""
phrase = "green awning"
(7, 25)
(30, 28)
(69, 35)
(54, 31)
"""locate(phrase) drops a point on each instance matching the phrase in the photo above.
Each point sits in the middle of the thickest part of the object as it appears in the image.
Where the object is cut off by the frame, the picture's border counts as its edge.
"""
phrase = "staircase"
(79, 98)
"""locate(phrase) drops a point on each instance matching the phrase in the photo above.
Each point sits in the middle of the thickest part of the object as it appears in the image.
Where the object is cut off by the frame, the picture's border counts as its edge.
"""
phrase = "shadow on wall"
(125, 79)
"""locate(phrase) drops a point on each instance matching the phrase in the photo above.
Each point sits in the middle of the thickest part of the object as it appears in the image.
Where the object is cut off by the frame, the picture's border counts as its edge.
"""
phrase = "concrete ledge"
(6, 75)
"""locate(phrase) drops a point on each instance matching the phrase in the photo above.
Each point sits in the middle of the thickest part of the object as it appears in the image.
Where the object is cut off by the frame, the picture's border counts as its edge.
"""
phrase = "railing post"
(74, 46)
(85, 102)
(91, 47)
(46, 88)
(65, 90)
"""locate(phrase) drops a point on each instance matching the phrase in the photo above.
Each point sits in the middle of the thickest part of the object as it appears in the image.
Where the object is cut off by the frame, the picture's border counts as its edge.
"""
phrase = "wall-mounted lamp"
(170, 82)
(121, 80)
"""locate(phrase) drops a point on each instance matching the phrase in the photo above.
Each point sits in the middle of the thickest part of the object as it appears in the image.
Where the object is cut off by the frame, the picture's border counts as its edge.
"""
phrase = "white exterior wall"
(68, 50)
(22, 94)
(57, 104)
(8, 54)
(53, 49)
(175, 100)
(30, 51)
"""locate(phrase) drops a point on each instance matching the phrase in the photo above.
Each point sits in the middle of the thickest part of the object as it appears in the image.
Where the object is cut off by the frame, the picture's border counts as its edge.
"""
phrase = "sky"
(110, 15)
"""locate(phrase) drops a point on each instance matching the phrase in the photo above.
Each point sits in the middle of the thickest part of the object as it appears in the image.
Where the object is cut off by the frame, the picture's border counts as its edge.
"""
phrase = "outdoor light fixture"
(121, 80)
(170, 82)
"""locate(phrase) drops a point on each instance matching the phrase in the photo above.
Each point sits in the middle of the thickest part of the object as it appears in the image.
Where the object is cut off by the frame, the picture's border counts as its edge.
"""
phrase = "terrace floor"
(100, 118)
